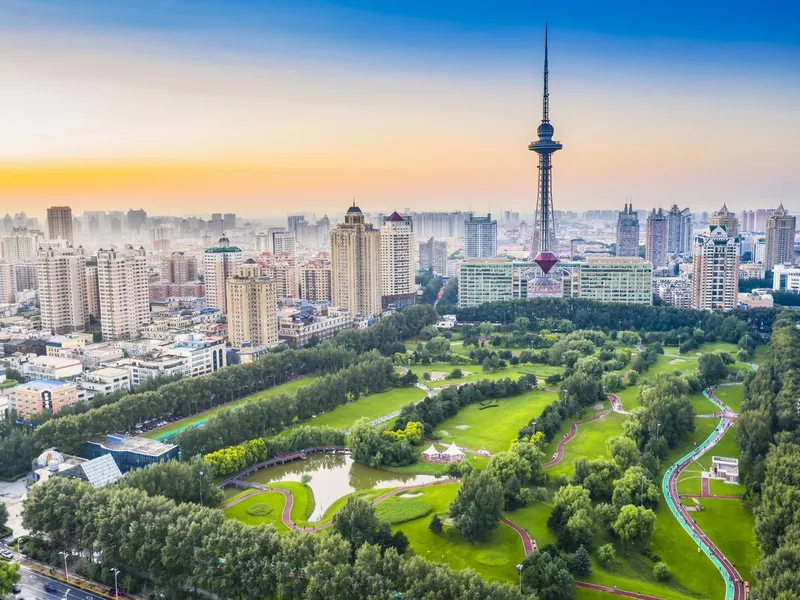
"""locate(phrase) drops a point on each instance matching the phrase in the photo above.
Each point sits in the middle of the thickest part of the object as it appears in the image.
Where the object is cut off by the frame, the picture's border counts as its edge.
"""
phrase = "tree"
(478, 506)
(660, 571)
(356, 522)
(623, 451)
(548, 576)
(187, 481)
(580, 565)
(634, 487)
(491, 363)
(513, 472)
(3, 516)
(712, 368)
(364, 442)
(606, 555)
(435, 525)
(9, 577)
(573, 517)
(634, 525)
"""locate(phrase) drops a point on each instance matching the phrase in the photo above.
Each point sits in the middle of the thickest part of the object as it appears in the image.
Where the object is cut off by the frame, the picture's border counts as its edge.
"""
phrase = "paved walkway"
(528, 543)
(573, 429)
(615, 591)
(616, 404)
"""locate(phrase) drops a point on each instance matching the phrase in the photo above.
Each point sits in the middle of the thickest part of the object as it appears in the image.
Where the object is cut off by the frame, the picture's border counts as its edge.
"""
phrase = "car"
(15, 589)
(49, 587)
(6, 555)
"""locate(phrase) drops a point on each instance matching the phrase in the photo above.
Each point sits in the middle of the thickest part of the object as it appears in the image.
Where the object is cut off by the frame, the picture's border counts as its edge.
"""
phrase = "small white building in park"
(726, 469)
(453, 453)
(431, 453)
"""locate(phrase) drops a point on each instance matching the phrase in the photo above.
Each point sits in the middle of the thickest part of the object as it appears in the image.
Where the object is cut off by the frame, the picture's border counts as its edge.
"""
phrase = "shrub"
(606, 555)
(259, 510)
(660, 571)
(398, 510)
(435, 525)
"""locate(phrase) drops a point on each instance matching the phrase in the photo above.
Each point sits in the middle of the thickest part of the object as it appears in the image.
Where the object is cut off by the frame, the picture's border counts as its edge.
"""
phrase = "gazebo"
(431, 453)
(453, 453)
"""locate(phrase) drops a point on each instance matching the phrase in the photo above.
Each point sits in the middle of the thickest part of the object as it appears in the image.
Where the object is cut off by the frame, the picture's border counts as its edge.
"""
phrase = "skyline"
(111, 107)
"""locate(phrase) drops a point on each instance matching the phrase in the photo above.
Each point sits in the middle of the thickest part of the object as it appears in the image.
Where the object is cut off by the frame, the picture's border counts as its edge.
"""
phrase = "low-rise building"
(96, 355)
(751, 271)
(676, 291)
(61, 345)
(53, 367)
(622, 280)
(163, 365)
(298, 329)
(107, 380)
(786, 278)
(484, 280)
(131, 452)
(34, 397)
(756, 299)
(97, 472)
(203, 355)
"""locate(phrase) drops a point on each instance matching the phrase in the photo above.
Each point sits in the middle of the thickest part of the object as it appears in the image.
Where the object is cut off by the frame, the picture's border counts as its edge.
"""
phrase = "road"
(32, 585)
(573, 429)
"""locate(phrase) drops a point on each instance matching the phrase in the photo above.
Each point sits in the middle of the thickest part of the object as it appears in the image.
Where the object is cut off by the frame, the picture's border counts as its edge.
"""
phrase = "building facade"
(656, 245)
(679, 231)
(628, 232)
(181, 268)
(433, 257)
(20, 245)
(715, 270)
(219, 263)
(107, 380)
(315, 281)
(398, 261)
(204, 355)
(676, 291)
(61, 273)
(779, 247)
(624, 280)
(356, 265)
(59, 223)
(122, 278)
(480, 237)
(727, 219)
(252, 307)
(484, 280)
(282, 241)
(34, 397)
(786, 278)
(297, 332)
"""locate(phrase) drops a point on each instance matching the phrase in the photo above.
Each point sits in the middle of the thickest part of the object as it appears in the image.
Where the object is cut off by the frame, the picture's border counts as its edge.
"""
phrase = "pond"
(334, 476)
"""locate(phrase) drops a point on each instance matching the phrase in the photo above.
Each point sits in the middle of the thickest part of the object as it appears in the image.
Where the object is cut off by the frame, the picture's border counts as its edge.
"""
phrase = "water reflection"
(334, 476)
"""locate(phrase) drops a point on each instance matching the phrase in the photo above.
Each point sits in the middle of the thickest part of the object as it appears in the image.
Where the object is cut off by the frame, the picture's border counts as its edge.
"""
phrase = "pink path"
(573, 429)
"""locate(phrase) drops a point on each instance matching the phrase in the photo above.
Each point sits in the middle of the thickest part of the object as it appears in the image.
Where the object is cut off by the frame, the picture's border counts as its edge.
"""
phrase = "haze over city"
(178, 107)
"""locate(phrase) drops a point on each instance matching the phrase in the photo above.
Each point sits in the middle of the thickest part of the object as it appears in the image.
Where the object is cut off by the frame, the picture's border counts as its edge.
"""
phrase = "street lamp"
(519, 568)
(201, 488)
(658, 428)
(641, 491)
(65, 555)
(564, 398)
(115, 570)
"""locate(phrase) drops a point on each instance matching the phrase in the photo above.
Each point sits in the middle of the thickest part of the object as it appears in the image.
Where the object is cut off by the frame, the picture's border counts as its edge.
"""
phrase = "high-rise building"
(20, 244)
(624, 280)
(59, 223)
(679, 231)
(8, 289)
(282, 241)
(252, 307)
(656, 248)
(136, 219)
(780, 238)
(62, 289)
(229, 221)
(122, 277)
(26, 276)
(356, 265)
(315, 281)
(748, 221)
(480, 237)
(398, 261)
(433, 256)
(760, 221)
(727, 219)
(628, 232)
(676, 291)
(284, 273)
(92, 290)
(759, 249)
(219, 263)
(181, 268)
(295, 221)
(715, 270)
(263, 242)
(484, 280)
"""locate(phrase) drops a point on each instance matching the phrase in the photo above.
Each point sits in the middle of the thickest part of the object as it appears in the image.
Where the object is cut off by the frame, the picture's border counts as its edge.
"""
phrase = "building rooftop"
(108, 372)
(139, 445)
(41, 385)
(98, 472)
(55, 362)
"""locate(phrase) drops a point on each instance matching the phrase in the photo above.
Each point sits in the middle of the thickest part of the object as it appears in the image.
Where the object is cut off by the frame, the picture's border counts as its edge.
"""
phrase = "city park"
(306, 494)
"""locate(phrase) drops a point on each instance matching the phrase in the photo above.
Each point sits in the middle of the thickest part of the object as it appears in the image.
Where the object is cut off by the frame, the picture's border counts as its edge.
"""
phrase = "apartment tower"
(59, 223)
(398, 261)
(62, 289)
(628, 232)
(356, 265)
(715, 270)
(252, 307)
(780, 239)
(219, 263)
(122, 278)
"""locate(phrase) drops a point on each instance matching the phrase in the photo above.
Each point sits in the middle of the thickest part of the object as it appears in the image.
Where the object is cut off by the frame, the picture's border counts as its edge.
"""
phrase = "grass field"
(493, 429)
(732, 395)
(399, 509)
(303, 499)
(196, 420)
(273, 500)
(372, 407)
(589, 442)
(730, 527)
(478, 374)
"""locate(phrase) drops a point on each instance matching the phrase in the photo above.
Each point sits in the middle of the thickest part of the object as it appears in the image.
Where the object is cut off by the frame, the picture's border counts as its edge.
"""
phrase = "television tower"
(544, 233)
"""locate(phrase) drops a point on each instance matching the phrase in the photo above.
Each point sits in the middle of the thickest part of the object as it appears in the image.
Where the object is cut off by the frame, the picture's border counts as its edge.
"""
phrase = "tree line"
(186, 546)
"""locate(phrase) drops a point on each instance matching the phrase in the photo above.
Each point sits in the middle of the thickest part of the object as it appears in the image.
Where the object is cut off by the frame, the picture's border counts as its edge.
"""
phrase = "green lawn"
(732, 395)
(402, 508)
(669, 364)
(730, 527)
(589, 442)
(629, 397)
(273, 500)
(372, 407)
(706, 348)
(303, 499)
(761, 355)
(493, 429)
(195, 420)
(477, 373)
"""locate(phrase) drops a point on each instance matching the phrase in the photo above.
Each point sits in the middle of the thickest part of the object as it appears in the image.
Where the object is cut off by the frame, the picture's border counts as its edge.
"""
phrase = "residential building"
(181, 268)
(59, 223)
(34, 397)
(751, 271)
(679, 231)
(786, 278)
(20, 245)
(676, 291)
(656, 245)
(780, 238)
(53, 367)
(715, 270)
(107, 380)
(8, 289)
(158, 365)
(229, 221)
(297, 330)
(131, 452)
(282, 241)
(398, 261)
(480, 237)
(122, 278)
(628, 232)
(624, 280)
(727, 219)
(755, 299)
(262, 242)
(62, 289)
(203, 355)
(761, 218)
(136, 219)
(315, 281)
(433, 257)
(92, 290)
(759, 250)
(748, 221)
(252, 307)
(356, 265)
(26, 276)
(284, 273)
(484, 280)
(219, 263)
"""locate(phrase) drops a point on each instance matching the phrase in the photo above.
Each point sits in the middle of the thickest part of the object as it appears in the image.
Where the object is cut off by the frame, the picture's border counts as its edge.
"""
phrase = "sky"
(267, 107)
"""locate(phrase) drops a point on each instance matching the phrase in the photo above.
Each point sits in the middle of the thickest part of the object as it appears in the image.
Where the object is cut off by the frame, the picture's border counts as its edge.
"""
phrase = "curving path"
(573, 429)
(615, 591)
(616, 404)
(528, 543)
(734, 586)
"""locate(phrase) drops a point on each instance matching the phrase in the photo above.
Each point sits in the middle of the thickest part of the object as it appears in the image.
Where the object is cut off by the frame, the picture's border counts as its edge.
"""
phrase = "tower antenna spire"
(546, 97)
